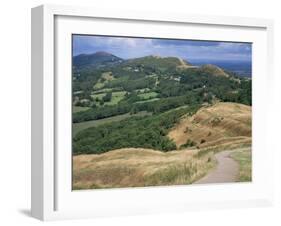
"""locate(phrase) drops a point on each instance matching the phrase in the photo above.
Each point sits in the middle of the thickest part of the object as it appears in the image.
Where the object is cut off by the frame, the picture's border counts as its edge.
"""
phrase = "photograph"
(150, 111)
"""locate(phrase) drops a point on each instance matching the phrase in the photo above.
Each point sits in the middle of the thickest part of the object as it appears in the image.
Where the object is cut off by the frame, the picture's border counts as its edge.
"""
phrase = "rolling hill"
(159, 63)
(135, 167)
(214, 125)
(95, 60)
(222, 126)
(214, 70)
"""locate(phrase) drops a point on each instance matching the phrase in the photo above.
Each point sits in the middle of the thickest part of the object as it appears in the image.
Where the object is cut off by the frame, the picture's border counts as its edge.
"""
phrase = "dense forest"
(145, 132)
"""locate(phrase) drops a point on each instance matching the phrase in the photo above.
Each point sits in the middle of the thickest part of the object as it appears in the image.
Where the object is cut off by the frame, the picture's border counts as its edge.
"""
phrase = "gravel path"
(226, 171)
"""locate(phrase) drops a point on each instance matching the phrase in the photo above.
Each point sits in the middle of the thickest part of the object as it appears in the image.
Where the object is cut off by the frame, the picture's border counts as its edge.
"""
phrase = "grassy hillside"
(132, 167)
(210, 126)
(98, 59)
(212, 69)
(220, 123)
(137, 167)
(158, 63)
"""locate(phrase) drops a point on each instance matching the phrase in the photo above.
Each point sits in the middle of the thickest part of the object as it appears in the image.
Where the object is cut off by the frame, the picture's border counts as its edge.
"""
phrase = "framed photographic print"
(137, 112)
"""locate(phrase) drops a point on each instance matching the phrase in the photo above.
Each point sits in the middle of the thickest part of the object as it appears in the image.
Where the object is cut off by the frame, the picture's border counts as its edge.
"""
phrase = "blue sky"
(187, 49)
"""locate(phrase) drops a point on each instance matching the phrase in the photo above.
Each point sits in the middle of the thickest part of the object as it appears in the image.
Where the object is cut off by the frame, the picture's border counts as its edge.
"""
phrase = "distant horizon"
(134, 47)
(194, 60)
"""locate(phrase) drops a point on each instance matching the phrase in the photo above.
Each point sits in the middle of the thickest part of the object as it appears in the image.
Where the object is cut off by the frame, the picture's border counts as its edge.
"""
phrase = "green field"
(105, 90)
(78, 109)
(93, 123)
(98, 85)
(149, 100)
(106, 76)
(99, 95)
(148, 95)
(143, 90)
(116, 97)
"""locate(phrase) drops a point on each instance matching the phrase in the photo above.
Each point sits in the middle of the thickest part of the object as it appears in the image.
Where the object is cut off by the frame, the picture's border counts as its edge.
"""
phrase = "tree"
(107, 97)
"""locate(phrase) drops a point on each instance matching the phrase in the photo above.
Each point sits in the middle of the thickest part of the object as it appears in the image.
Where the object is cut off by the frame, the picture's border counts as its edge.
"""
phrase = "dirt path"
(226, 171)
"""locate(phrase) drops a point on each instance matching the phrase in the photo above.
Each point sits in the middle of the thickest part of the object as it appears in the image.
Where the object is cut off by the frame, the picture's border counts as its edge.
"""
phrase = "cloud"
(184, 42)
(127, 47)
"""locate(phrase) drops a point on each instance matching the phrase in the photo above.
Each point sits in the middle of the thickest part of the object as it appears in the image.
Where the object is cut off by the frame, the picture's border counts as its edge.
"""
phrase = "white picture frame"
(52, 197)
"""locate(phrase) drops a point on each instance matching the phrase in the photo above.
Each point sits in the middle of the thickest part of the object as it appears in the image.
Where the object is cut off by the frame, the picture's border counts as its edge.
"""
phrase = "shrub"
(188, 143)
(202, 141)
(107, 97)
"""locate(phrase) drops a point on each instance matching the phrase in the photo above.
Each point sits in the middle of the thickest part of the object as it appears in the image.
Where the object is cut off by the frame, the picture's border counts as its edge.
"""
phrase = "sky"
(128, 47)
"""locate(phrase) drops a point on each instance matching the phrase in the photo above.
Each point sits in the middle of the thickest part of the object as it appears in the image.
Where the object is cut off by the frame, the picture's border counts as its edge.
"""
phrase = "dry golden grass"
(183, 64)
(133, 167)
(213, 125)
(214, 70)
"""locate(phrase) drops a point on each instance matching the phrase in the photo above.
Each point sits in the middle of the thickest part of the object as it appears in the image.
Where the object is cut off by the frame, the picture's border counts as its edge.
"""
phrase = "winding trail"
(226, 171)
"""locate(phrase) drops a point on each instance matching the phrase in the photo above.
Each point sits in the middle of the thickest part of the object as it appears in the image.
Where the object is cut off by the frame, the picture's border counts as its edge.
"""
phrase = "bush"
(107, 97)
(202, 141)
(188, 143)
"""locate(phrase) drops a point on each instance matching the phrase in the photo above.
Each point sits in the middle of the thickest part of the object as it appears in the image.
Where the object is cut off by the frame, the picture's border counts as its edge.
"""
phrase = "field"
(148, 100)
(78, 109)
(105, 77)
(148, 95)
(115, 99)
(77, 127)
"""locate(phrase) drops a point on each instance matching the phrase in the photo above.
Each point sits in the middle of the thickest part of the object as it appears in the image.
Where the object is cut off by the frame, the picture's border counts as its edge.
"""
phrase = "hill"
(214, 70)
(214, 125)
(223, 126)
(131, 167)
(158, 63)
(95, 60)
(138, 167)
